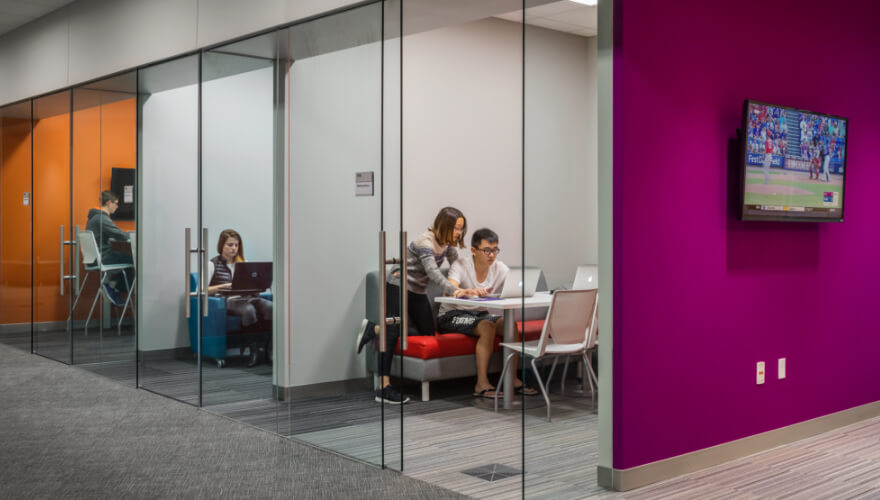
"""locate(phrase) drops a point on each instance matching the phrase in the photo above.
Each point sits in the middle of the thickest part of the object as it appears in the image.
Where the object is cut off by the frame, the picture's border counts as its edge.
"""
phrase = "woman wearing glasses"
(424, 256)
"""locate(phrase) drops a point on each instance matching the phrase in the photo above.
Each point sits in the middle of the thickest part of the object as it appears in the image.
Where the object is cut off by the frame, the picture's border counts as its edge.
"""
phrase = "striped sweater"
(424, 255)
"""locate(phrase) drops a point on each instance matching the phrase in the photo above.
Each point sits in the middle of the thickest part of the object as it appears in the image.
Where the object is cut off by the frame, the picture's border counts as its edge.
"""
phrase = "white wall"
(463, 139)
(237, 154)
(335, 103)
(89, 39)
(462, 147)
(169, 194)
(561, 169)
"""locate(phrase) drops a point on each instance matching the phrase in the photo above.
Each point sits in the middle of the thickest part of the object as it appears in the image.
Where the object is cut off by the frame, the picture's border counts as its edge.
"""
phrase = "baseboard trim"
(636, 477)
(322, 389)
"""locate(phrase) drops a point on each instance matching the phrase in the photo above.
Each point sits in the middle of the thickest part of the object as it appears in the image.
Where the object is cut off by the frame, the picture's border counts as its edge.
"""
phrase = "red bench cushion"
(443, 345)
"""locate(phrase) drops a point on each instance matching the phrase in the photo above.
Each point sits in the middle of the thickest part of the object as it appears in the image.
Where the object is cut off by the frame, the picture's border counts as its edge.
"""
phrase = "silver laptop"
(517, 285)
(586, 278)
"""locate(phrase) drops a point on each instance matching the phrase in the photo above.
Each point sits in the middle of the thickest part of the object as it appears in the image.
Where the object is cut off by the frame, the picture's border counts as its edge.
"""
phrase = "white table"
(509, 306)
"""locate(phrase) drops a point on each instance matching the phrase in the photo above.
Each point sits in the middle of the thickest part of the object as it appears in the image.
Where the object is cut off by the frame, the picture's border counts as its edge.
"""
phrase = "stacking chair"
(92, 262)
(568, 330)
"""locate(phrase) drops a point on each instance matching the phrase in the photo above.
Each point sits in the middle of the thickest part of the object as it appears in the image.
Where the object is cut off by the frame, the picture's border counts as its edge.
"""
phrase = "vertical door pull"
(204, 273)
(61, 259)
(404, 294)
(382, 297)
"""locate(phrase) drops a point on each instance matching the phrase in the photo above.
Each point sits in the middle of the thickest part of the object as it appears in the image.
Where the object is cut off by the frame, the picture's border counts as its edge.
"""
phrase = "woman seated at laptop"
(255, 311)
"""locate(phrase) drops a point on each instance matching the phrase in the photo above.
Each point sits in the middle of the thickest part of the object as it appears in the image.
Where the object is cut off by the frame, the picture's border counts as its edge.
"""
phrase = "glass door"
(15, 225)
(239, 136)
(52, 230)
(338, 183)
(168, 233)
(560, 228)
(103, 215)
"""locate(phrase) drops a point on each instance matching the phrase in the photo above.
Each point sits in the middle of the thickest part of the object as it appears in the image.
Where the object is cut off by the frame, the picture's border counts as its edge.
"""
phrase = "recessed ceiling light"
(591, 3)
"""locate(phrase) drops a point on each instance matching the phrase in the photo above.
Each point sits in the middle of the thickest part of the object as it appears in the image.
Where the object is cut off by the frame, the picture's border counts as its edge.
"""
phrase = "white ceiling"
(15, 13)
(566, 16)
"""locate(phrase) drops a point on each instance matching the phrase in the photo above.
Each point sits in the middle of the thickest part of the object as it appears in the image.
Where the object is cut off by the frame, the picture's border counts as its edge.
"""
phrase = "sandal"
(523, 390)
(485, 393)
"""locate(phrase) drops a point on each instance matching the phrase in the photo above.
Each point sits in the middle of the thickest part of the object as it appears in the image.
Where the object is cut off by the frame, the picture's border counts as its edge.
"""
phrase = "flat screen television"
(793, 164)
(122, 183)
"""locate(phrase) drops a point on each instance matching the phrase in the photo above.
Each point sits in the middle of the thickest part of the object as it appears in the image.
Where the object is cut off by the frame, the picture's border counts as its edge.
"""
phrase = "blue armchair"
(219, 331)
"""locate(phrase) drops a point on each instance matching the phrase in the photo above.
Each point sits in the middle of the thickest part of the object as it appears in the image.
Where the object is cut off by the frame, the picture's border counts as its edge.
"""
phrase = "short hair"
(444, 226)
(225, 235)
(107, 197)
(483, 234)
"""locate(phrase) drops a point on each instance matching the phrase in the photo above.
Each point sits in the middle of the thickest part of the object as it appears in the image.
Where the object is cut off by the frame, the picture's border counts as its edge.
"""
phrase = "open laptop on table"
(517, 284)
(250, 278)
(586, 278)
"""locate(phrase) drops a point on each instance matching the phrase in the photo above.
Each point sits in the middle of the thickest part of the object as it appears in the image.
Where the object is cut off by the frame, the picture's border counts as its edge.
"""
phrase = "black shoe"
(254, 358)
(390, 395)
(366, 334)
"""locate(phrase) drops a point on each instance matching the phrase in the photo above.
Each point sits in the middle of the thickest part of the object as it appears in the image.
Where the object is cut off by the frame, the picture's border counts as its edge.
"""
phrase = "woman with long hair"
(424, 256)
(255, 311)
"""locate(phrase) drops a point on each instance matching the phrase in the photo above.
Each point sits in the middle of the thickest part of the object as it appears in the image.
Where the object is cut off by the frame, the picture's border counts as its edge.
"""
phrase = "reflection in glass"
(104, 158)
(334, 85)
(53, 234)
(15, 225)
(561, 177)
(238, 159)
(167, 207)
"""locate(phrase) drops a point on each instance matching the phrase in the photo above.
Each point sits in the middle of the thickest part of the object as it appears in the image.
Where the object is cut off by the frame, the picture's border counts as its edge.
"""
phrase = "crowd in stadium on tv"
(821, 134)
(767, 130)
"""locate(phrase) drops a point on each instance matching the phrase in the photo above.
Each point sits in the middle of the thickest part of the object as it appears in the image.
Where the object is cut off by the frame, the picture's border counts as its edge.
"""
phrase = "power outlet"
(760, 373)
(780, 368)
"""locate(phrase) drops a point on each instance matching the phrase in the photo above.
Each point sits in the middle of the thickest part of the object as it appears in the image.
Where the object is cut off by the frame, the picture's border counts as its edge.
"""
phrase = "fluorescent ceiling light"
(591, 3)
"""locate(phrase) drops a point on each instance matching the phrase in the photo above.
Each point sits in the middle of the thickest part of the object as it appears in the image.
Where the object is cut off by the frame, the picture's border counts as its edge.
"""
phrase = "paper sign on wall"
(26, 199)
(128, 194)
(363, 184)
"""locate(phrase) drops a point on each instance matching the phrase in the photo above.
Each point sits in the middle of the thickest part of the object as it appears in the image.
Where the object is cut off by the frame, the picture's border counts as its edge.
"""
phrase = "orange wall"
(51, 204)
(15, 221)
(104, 137)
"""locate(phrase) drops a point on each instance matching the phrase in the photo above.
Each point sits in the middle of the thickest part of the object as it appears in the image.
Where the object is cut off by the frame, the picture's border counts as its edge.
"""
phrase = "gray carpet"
(65, 432)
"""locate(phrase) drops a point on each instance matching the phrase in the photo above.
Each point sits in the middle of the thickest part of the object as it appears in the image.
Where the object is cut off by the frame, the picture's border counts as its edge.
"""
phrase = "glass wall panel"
(15, 225)
(336, 186)
(103, 204)
(462, 147)
(53, 234)
(238, 165)
(168, 194)
(560, 226)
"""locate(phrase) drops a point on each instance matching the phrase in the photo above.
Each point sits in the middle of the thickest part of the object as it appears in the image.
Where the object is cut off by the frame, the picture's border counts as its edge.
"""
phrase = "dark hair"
(225, 235)
(107, 197)
(483, 234)
(444, 226)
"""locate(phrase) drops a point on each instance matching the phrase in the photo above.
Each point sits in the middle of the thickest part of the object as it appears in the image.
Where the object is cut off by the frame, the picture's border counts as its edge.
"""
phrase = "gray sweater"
(104, 229)
(424, 255)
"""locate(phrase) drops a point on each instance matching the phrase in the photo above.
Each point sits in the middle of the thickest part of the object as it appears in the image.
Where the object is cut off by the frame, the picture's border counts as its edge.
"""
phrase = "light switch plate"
(760, 373)
(780, 370)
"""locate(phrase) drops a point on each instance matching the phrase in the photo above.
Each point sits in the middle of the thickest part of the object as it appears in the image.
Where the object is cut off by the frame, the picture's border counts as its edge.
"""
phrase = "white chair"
(569, 329)
(92, 262)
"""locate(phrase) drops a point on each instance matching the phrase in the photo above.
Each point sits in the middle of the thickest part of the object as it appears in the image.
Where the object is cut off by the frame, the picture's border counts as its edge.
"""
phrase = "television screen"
(794, 164)
(122, 180)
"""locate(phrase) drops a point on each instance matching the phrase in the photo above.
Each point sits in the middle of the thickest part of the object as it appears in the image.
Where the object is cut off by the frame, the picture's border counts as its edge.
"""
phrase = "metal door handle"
(61, 259)
(404, 294)
(75, 261)
(204, 273)
(382, 297)
(187, 236)
(64, 277)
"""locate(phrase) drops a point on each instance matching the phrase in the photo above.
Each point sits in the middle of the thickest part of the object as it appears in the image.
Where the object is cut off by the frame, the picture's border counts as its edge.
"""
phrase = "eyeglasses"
(490, 251)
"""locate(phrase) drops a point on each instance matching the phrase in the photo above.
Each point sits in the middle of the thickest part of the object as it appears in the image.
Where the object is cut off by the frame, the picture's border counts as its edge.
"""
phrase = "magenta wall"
(701, 297)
